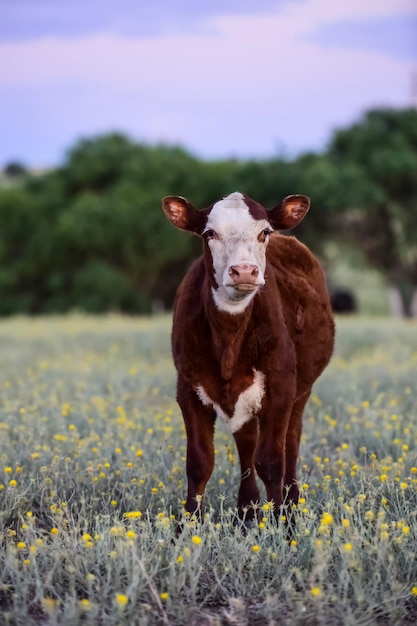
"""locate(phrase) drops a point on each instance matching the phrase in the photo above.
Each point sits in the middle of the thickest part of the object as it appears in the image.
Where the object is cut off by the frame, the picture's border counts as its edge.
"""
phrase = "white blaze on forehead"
(236, 243)
(248, 403)
(231, 217)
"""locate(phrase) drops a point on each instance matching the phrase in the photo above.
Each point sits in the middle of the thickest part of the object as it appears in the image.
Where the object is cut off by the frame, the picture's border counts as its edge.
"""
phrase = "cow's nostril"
(244, 273)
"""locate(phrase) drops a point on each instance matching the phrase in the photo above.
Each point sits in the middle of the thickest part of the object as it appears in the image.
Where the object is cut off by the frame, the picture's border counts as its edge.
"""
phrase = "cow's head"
(235, 232)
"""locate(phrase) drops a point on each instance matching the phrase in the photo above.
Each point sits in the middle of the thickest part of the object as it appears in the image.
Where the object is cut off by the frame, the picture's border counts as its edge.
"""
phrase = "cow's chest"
(236, 401)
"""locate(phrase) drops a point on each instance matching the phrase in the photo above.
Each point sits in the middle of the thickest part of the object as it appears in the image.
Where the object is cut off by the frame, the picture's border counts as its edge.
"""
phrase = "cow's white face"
(237, 243)
(236, 232)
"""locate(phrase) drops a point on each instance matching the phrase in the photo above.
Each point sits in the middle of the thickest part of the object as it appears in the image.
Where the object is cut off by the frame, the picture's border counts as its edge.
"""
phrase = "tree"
(379, 197)
(14, 169)
(92, 234)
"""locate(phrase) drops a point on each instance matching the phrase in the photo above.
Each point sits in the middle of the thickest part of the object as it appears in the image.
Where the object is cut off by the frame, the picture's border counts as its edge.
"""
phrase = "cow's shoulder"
(289, 255)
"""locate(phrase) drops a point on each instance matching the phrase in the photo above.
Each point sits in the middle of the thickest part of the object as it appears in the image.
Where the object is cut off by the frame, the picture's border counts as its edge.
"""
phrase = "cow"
(252, 330)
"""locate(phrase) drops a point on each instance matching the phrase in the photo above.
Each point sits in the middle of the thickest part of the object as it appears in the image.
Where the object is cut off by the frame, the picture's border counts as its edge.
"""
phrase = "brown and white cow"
(252, 331)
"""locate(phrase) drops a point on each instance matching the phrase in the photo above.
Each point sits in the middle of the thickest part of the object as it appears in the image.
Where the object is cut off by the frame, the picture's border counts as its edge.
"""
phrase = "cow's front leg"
(271, 451)
(199, 424)
(246, 439)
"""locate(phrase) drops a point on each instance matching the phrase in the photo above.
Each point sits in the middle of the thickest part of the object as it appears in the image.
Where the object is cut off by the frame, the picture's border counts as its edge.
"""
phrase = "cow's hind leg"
(246, 439)
(292, 445)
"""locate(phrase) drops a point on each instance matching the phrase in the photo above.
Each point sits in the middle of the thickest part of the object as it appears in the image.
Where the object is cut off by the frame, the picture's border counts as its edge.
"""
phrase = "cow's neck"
(228, 333)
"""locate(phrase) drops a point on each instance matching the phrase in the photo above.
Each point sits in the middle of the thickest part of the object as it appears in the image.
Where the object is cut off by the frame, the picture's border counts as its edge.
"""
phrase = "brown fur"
(287, 333)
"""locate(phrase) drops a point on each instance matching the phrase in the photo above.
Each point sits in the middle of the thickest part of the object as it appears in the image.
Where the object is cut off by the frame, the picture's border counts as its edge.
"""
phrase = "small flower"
(54, 531)
(255, 548)
(121, 599)
(21, 545)
(347, 547)
(326, 519)
(133, 514)
(196, 540)
(13, 483)
(130, 534)
(414, 590)
(315, 591)
(164, 596)
(85, 604)
(49, 604)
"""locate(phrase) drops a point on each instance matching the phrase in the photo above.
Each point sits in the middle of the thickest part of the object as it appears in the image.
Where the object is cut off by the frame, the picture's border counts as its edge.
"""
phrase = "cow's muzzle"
(244, 277)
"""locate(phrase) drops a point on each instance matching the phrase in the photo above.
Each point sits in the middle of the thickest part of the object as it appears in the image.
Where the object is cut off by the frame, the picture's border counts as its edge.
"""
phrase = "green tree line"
(91, 234)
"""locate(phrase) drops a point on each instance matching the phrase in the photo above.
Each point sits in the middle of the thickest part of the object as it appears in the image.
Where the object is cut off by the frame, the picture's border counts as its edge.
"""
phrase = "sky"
(222, 78)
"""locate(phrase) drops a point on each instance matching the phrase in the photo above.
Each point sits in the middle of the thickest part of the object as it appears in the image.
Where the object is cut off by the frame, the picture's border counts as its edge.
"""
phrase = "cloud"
(34, 19)
(245, 86)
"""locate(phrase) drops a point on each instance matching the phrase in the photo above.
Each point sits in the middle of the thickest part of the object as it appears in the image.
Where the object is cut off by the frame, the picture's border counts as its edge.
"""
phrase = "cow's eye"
(209, 234)
(264, 234)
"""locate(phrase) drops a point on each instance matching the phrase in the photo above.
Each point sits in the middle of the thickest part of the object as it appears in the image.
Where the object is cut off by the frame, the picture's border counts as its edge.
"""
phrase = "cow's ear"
(181, 213)
(289, 212)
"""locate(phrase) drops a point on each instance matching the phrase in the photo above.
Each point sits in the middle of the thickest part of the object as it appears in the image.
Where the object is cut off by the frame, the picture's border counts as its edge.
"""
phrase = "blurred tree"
(97, 162)
(375, 165)
(92, 235)
(113, 218)
(14, 169)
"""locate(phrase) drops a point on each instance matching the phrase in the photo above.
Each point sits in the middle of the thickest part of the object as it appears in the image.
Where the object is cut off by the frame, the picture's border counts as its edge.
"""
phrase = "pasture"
(92, 479)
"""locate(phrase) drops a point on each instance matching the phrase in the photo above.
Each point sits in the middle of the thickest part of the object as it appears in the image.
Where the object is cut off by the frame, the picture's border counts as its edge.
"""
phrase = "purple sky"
(222, 78)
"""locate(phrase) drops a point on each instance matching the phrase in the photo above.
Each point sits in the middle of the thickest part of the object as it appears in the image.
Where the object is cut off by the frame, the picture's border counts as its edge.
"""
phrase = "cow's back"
(303, 292)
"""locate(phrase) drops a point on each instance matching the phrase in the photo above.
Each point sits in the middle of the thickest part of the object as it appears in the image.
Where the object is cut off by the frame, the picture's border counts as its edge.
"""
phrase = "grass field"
(92, 456)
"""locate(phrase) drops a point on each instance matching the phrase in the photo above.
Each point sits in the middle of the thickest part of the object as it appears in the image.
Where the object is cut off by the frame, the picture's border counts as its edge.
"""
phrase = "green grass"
(92, 455)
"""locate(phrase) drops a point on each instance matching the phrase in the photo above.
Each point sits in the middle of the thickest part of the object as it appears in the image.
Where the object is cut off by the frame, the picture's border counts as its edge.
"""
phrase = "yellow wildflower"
(121, 599)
